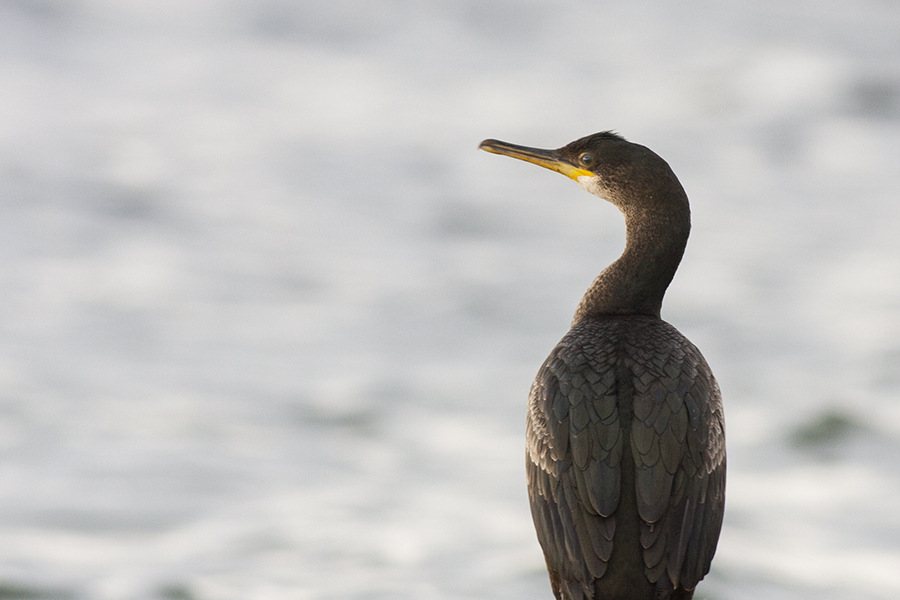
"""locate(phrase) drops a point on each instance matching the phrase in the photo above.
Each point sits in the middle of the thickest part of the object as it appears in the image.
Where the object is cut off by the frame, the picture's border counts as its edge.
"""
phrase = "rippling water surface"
(269, 319)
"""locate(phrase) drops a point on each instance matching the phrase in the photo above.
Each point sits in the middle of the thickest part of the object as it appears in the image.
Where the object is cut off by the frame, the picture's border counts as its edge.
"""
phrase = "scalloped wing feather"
(575, 449)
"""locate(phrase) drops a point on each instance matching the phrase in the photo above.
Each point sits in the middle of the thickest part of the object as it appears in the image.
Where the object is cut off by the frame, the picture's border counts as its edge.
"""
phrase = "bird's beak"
(549, 159)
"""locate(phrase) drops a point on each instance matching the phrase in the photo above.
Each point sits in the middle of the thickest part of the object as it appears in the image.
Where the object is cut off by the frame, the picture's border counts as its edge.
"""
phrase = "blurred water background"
(269, 319)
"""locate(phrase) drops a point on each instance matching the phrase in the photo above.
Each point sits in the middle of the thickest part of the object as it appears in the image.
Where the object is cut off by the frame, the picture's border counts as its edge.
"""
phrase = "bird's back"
(626, 461)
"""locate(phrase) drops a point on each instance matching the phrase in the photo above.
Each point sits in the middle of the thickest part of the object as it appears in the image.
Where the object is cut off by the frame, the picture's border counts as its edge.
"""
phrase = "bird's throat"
(636, 283)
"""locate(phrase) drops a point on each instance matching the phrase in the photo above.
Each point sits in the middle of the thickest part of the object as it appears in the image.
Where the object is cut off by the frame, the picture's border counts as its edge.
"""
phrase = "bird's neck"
(636, 283)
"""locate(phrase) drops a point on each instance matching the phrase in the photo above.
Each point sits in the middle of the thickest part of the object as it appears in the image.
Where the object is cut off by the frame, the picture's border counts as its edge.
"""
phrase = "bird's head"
(628, 175)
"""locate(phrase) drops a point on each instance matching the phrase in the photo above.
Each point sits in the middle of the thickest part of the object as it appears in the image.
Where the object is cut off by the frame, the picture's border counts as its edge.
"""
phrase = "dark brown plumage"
(625, 433)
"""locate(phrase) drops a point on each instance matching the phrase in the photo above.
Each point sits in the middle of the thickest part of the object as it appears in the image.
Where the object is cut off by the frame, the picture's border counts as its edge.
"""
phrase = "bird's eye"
(587, 159)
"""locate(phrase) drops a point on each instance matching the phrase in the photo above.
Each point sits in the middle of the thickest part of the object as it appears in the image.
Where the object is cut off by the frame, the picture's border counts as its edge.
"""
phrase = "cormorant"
(625, 432)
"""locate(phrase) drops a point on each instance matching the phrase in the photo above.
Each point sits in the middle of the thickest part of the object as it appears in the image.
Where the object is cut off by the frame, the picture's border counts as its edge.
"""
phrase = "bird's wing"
(678, 446)
(575, 443)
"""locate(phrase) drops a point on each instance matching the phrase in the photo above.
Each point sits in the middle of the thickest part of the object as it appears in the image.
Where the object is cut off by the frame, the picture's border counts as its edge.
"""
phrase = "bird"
(625, 449)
